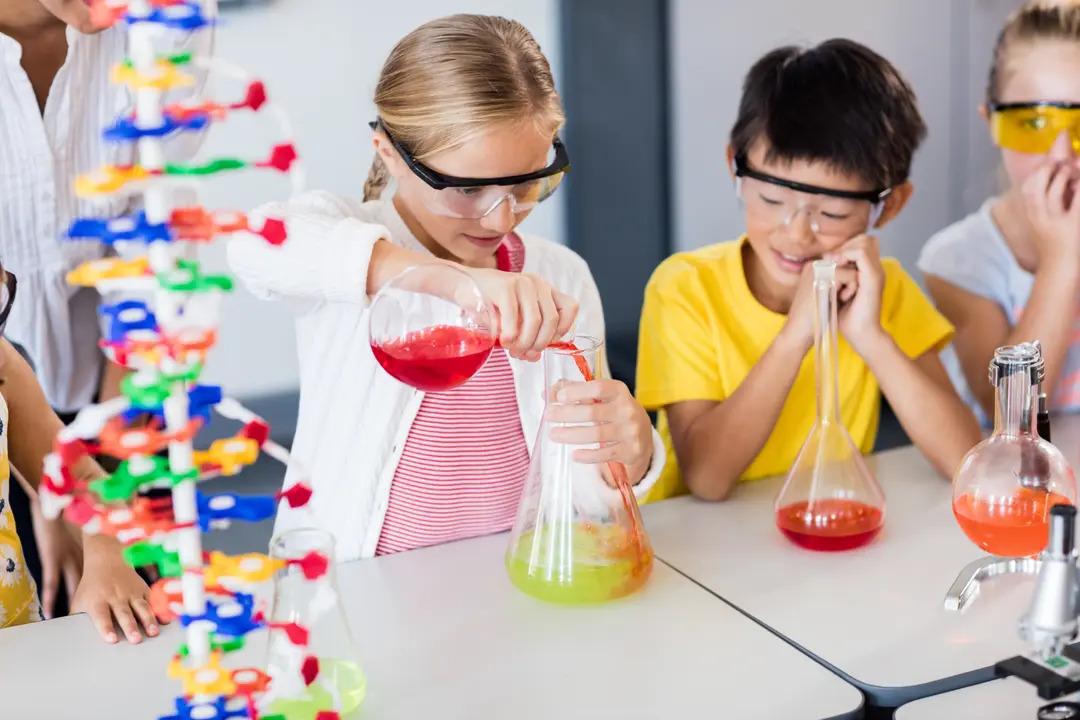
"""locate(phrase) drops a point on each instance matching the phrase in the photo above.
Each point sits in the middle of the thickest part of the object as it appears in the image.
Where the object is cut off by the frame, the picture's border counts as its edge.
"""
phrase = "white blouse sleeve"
(324, 258)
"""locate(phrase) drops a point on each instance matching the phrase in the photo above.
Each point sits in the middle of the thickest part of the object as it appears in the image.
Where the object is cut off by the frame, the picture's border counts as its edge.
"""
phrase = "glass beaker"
(830, 500)
(324, 674)
(578, 535)
(1006, 485)
(430, 327)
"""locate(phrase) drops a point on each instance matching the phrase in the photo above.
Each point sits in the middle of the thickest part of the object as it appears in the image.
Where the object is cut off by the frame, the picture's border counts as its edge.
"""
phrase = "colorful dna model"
(160, 322)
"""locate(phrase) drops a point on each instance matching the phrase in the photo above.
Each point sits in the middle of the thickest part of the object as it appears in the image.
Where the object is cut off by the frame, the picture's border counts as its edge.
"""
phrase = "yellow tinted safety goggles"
(1034, 127)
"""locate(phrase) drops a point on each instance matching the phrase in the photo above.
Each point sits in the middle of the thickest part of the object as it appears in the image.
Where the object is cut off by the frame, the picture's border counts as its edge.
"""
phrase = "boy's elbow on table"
(709, 486)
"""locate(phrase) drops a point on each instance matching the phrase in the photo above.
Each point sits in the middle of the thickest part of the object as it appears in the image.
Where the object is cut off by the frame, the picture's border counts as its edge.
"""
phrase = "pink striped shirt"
(464, 463)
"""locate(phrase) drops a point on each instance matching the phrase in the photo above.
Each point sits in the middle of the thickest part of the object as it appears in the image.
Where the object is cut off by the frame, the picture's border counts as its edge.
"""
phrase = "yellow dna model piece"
(230, 455)
(247, 568)
(109, 179)
(208, 679)
(164, 78)
(89, 274)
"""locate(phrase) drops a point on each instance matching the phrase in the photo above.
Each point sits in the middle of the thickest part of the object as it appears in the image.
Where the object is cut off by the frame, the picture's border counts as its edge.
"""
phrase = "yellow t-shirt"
(702, 330)
(18, 592)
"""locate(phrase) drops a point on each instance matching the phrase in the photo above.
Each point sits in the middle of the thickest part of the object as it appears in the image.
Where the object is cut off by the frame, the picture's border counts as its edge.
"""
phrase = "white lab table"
(876, 613)
(442, 633)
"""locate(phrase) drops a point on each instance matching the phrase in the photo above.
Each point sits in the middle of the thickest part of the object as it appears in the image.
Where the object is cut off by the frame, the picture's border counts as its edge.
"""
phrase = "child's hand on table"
(111, 591)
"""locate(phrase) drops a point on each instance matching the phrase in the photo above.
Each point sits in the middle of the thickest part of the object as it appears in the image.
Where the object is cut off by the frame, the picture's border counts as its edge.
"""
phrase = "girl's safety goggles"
(1034, 127)
(474, 198)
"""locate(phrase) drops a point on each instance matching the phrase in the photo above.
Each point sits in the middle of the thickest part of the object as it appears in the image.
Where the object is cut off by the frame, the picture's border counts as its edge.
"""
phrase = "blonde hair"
(1037, 20)
(451, 79)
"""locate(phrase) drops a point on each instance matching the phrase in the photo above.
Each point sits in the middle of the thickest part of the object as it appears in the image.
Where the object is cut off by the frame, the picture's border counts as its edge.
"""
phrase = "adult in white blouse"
(55, 98)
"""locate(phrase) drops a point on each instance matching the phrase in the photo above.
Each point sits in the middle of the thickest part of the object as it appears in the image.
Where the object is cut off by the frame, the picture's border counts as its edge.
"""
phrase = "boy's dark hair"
(839, 103)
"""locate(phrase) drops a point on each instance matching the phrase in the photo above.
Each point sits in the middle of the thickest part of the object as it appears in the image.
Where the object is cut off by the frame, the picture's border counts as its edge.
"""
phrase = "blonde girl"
(466, 145)
(1010, 272)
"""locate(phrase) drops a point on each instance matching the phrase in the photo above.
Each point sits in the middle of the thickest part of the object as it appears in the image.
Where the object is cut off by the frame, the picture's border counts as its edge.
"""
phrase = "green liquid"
(346, 677)
(599, 572)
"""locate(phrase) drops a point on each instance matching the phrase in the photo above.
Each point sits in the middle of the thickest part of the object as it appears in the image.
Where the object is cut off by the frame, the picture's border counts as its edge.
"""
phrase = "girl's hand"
(1053, 210)
(61, 558)
(111, 591)
(531, 313)
(615, 421)
(859, 297)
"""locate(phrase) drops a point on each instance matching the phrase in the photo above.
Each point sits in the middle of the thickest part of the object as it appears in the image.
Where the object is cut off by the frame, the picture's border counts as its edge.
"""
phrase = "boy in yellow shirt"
(820, 152)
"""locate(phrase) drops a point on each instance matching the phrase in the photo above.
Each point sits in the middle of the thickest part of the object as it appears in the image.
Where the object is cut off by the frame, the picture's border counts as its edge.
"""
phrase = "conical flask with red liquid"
(430, 327)
(830, 500)
(1006, 485)
(578, 535)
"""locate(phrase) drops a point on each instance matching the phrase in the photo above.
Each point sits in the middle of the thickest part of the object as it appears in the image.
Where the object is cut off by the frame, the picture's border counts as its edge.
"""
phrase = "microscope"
(1050, 625)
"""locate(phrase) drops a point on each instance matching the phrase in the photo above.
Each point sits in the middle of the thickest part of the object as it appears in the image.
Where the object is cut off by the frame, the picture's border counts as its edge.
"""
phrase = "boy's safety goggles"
(832, 212)
(474, 198)
(1034, 127)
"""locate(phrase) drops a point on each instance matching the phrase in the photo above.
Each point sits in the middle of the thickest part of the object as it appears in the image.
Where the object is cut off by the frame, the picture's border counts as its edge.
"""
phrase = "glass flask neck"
(1015, 403)
(1017, 373)
(825, 342)
(578, 359)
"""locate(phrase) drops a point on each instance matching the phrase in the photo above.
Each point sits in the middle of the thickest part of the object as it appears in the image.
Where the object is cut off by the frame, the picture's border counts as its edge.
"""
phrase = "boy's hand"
(1053, 210)
(616, 422)
(859, 298)
(111, 591)
(799, 327)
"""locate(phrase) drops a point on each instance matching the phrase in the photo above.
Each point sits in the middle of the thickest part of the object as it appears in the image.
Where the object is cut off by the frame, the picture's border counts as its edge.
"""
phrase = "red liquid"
(437, 358)
(1014, 527)
(830, 524)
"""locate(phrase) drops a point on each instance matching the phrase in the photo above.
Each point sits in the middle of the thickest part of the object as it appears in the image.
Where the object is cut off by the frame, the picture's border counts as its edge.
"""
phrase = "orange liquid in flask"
(1014, 527)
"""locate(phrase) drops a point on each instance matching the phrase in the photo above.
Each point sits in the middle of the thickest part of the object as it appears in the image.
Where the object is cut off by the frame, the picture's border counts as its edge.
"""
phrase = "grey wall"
(320, 58)
(942, 46)
(617, 207)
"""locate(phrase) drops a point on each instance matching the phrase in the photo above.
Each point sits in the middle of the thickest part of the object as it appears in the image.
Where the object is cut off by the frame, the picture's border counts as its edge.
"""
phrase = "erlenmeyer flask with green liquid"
(323, 675)
(578, 535)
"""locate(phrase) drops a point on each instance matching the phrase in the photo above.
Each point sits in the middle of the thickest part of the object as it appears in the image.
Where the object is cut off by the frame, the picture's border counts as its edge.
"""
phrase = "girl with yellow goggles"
(1010, 271)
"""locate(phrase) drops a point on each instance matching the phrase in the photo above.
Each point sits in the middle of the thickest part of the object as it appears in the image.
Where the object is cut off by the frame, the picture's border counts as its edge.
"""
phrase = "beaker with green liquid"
(578, 536)
(324, 673)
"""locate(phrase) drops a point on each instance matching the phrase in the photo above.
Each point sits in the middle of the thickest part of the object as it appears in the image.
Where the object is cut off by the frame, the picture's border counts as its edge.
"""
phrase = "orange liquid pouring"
(617, 469)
